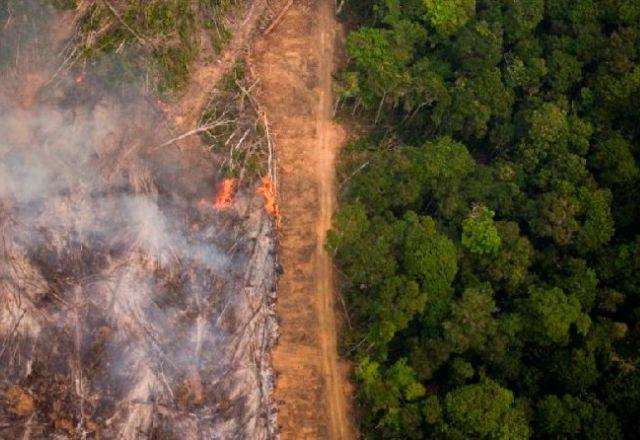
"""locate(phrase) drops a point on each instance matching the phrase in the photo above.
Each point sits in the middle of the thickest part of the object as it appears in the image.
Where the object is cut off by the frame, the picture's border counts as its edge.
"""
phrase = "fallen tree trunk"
(279, 18)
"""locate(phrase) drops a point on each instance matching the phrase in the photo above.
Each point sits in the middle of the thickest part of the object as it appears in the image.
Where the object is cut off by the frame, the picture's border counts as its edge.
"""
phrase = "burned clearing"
(128, 309)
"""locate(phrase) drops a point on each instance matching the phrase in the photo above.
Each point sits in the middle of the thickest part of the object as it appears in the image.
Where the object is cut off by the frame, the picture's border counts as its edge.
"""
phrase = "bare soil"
(294, 65)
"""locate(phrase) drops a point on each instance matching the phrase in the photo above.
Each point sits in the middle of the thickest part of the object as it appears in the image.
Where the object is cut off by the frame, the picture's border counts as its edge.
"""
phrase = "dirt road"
(294, 65)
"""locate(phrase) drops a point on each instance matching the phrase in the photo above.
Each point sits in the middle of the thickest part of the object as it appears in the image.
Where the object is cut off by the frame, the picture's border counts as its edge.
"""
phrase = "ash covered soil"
(128, 309)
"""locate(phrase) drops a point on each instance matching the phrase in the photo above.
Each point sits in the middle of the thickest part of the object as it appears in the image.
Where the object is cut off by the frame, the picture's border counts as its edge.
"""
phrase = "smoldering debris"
(127, 309)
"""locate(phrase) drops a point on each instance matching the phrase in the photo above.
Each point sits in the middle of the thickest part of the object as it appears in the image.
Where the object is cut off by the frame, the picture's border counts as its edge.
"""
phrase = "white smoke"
(123, 305)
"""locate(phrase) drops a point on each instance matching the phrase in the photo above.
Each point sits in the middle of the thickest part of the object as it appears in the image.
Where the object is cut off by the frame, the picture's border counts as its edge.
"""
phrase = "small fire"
(267, 190)
(225, 194)
(80, 78)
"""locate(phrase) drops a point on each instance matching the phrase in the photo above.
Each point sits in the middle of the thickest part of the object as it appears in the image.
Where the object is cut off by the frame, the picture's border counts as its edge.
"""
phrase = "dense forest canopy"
(488, 238)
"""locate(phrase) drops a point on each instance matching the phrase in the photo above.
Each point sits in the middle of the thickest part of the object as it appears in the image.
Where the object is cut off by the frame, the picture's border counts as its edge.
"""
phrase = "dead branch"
(352, 349)
(11, 333)
(10, 17)
(360, 168)
(272, 168)
(244, 164)
(247, 92)
(198, 130)
(244, 136)
(115, 13)
(278, 19)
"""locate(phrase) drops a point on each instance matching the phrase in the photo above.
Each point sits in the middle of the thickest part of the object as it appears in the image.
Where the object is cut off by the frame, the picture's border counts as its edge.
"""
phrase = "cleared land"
(294, 64)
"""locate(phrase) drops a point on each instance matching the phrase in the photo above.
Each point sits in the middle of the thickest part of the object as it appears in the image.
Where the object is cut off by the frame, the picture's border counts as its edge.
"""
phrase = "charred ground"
(127, 309)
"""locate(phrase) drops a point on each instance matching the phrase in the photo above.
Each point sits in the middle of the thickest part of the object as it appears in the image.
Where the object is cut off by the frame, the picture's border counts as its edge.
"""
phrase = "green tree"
(615, 162)
(387, 181)
(564, 71)
(510, 268)
(461, 370)
(600, 423)
(471, 323)
(579, 280)
(362, 246)
(549, 126)
(558, 417)
(521, 18)
(475, 100)
(580, 131)
(430, 258)
(553, 313)
(621, 265)
(574, 371)
(486, 410)
(397, 301)
(529, 111)
(622, 395)
(381, 69)
(555, 216)
(446, 16)
(433, 410)
(444, 160)
(478, 47)
(479, 232)
(390, 392)
(525, 68)
(597, 228)
(442, 165)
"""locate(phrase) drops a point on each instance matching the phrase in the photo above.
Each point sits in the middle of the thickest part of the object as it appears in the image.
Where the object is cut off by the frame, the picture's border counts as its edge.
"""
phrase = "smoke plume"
(127, 310)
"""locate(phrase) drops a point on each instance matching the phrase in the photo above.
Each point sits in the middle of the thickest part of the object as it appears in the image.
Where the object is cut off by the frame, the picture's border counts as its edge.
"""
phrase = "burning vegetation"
(268, 192)
(225, 194)
(125, 311)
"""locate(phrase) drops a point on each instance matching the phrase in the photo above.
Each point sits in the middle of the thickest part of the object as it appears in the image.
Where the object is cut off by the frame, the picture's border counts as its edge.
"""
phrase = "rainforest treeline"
(488, 239)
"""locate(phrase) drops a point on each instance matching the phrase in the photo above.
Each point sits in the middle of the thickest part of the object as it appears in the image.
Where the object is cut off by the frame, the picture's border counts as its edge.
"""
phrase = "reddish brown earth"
(294, 65)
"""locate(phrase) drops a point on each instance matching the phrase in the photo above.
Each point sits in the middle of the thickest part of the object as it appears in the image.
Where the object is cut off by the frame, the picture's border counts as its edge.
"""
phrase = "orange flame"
(225, 194)
(267, 190)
